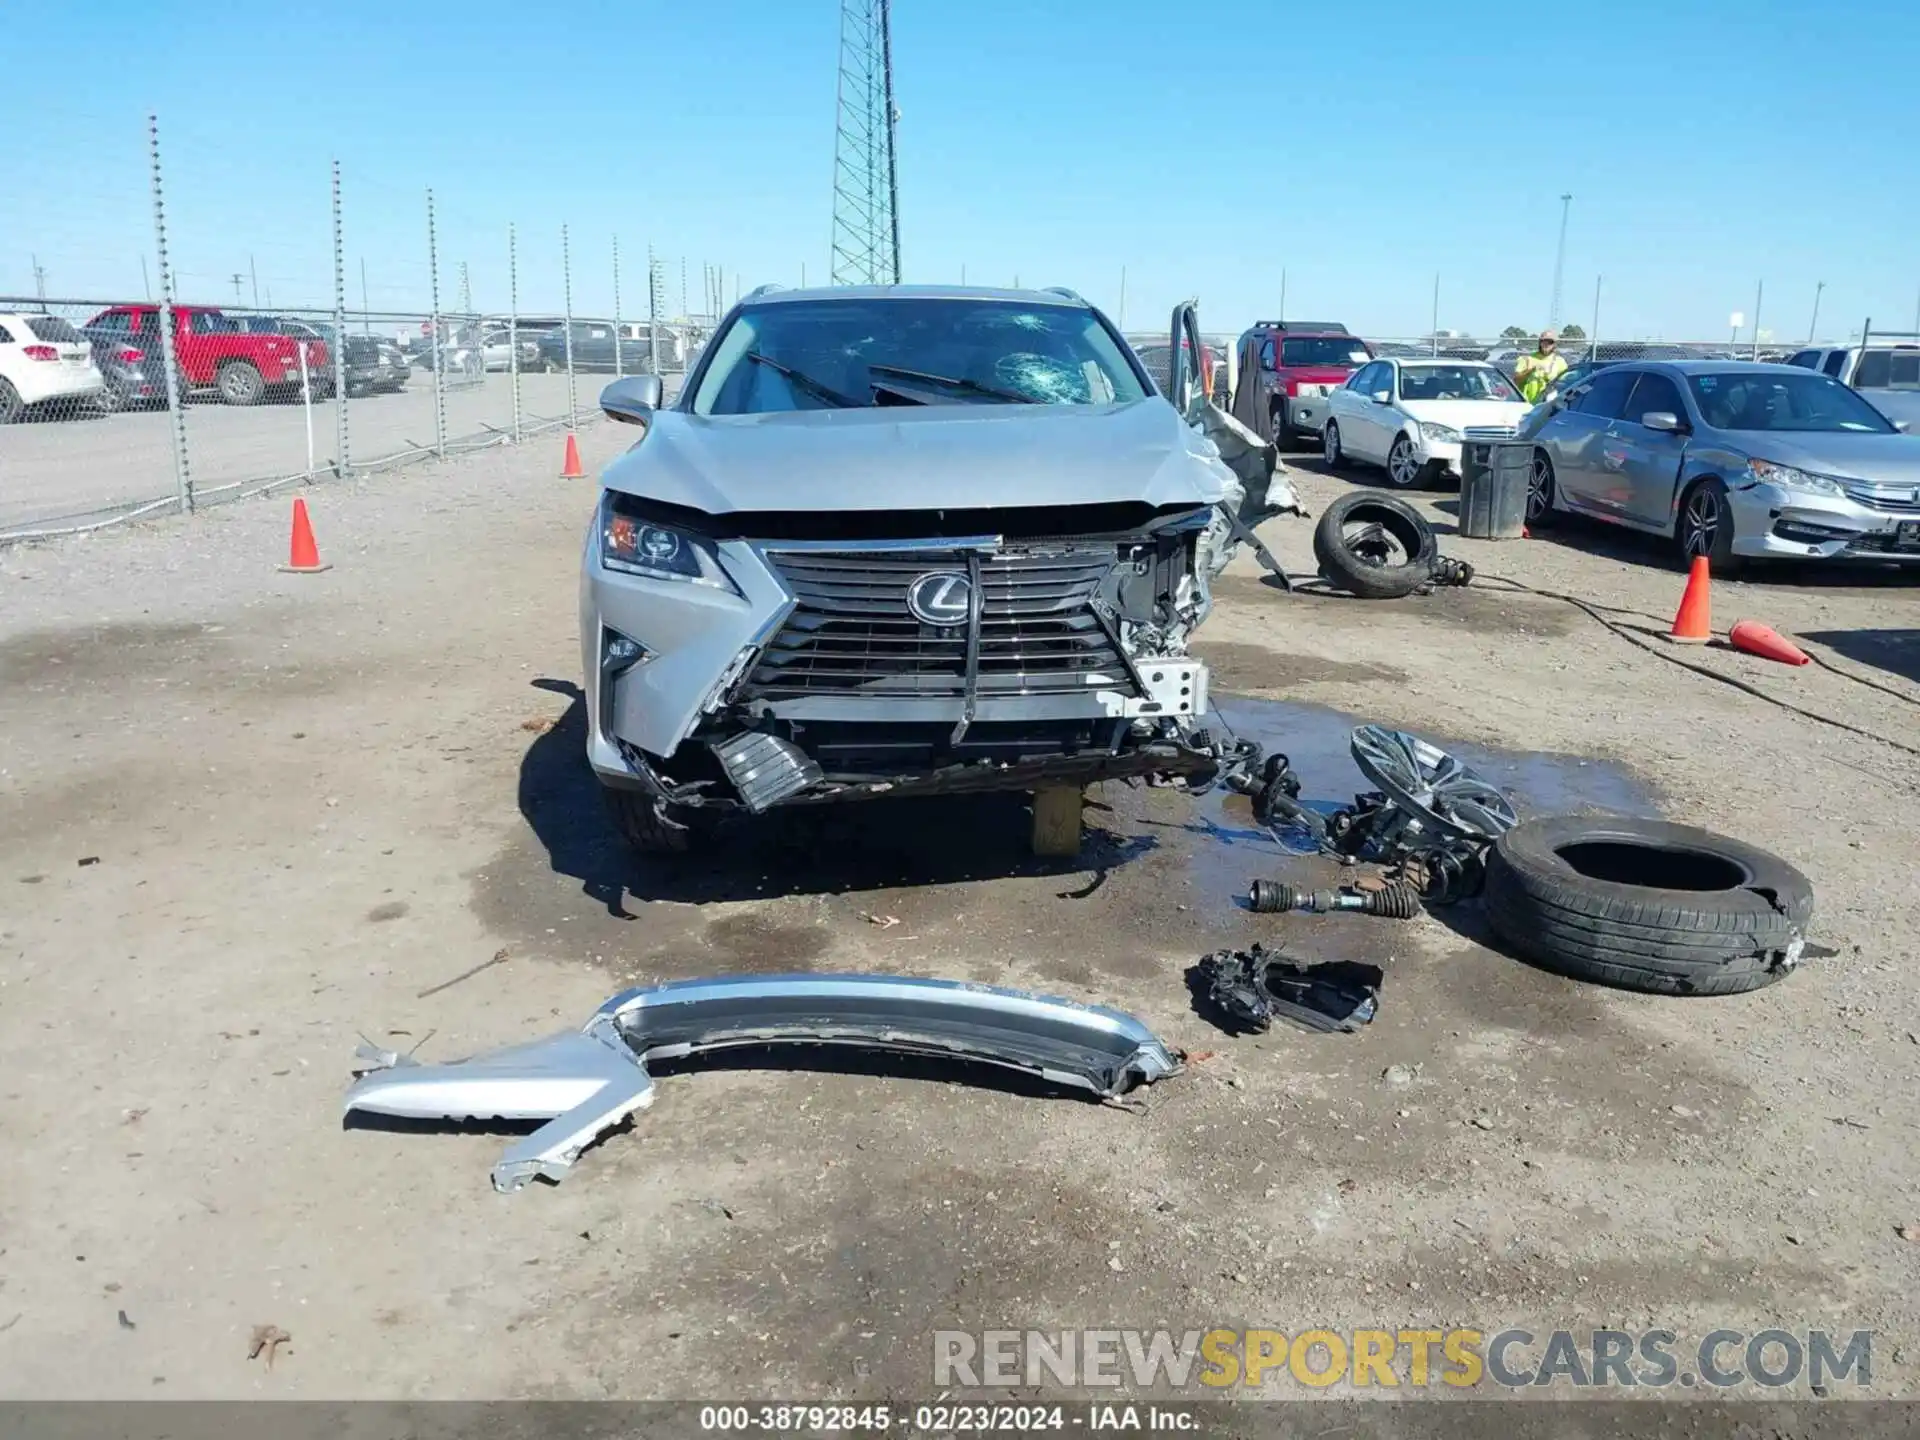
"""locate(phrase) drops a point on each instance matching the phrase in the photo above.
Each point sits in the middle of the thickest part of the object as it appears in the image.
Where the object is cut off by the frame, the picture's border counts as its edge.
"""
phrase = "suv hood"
(923, 457)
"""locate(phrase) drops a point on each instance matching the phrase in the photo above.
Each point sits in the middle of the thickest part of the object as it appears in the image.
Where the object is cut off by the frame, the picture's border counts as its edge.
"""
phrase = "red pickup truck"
(215, 352)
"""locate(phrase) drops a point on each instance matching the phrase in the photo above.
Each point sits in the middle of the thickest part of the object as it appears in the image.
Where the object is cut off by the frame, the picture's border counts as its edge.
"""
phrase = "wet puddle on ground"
(1317, 741)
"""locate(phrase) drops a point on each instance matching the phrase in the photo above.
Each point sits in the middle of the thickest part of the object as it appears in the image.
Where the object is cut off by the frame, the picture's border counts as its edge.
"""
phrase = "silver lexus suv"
(905, 541)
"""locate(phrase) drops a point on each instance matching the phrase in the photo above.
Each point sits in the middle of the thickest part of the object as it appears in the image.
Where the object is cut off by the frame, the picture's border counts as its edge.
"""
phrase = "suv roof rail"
(1064, 291)
(766, 289)
(1326, 327)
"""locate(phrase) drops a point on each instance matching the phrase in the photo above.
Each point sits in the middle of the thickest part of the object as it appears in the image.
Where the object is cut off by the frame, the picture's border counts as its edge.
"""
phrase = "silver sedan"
(1731, 461)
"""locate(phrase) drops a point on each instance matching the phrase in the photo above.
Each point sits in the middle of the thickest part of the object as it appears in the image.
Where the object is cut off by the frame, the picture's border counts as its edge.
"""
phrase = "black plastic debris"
(1244, 991)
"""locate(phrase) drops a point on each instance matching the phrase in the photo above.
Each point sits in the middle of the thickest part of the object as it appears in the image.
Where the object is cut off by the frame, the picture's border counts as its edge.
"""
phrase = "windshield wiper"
(970, 387)
(805, 382)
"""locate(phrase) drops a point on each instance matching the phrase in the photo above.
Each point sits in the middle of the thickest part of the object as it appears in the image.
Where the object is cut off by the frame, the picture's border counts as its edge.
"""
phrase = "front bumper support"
(584, 1083)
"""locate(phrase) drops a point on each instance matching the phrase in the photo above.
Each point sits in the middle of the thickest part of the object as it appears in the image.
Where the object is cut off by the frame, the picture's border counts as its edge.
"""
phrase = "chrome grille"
(1887, 499)
(850, 632)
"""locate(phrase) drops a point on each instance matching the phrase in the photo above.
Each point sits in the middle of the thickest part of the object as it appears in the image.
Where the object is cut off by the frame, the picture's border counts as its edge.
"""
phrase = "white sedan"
(1410, 415)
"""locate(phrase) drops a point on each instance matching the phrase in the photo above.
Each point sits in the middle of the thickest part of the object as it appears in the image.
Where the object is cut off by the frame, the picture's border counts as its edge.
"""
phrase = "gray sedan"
(1731, 461)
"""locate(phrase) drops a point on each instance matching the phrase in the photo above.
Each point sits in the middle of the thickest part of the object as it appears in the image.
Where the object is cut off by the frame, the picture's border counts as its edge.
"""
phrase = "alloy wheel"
(1539, 489)
(1701, 522)
(1402, 468)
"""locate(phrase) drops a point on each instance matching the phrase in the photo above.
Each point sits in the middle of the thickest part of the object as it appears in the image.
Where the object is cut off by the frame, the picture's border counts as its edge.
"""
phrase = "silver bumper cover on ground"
(586, 1082)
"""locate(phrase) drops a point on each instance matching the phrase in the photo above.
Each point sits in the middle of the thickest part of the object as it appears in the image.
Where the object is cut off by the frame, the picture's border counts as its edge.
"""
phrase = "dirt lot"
(246, 816)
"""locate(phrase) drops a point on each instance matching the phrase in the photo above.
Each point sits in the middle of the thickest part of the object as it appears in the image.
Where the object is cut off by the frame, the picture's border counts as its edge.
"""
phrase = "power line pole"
(1814, 323)
(866, 229)
(236, 287)
(254, 276)
(1559, 264)
(40, 277)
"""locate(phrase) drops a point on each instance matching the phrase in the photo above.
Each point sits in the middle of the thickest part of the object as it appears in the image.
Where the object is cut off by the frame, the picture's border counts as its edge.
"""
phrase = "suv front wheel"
(651, 829)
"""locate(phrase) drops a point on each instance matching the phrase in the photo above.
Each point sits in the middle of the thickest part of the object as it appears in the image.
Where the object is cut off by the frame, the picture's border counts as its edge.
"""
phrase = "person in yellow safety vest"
(1537, 372)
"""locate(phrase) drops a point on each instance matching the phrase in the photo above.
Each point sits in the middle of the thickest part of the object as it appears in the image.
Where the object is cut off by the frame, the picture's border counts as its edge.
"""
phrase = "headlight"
(638, 547)
(1787, 477)
(1439, 434)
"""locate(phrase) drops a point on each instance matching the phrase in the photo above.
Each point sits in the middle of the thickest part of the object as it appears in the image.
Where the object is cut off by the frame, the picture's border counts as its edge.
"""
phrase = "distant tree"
(1515, 332)
(1572, 332)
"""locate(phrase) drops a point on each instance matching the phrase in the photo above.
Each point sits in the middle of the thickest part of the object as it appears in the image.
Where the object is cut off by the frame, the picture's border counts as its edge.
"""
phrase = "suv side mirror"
(632, 400)
(1662, 420)
(1382, 397)
(1903, 426)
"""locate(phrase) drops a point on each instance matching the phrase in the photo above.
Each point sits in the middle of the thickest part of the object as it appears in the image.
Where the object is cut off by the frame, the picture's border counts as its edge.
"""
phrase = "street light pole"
(1559, 263)
(1814, 323)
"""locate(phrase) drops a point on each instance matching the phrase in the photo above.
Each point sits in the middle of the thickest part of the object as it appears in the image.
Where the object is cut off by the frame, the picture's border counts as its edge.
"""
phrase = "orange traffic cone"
(1692, 621)
(571, 470)
(1757, 639)
(303, 556)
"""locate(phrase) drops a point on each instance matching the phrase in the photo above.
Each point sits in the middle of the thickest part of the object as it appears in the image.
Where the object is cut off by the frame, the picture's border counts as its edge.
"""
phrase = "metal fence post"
(513, 325)
(176, 391)
(439, 360)
(618, 371)
(566, 284)
(340, 465)
(653, 313)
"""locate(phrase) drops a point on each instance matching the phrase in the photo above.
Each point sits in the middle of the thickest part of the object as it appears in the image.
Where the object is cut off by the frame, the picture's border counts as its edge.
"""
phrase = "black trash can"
(1493, 488)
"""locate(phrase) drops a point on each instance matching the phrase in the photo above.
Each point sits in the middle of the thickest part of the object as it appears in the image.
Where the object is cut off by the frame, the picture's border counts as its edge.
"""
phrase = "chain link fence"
(114, 408)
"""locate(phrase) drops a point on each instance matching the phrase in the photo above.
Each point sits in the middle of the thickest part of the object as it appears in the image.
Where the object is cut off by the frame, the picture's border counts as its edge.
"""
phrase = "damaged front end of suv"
(907, 541)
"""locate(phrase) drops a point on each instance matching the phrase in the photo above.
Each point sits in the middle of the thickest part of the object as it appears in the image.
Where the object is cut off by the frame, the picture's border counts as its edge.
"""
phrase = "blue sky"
(1709, 145)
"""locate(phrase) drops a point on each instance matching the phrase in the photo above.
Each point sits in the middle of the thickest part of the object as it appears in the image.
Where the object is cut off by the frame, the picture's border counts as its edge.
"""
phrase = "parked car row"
(1728, 457)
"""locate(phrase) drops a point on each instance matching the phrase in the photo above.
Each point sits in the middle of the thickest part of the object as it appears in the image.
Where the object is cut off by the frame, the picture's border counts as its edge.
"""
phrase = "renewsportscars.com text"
(1457, 1358)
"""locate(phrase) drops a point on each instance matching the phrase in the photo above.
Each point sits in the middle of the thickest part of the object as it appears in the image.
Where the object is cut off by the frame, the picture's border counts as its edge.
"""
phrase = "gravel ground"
(247, 816)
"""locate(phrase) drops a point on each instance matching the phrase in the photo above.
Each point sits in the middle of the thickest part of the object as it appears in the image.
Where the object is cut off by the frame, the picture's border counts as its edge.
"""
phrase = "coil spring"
(1447, 874)
(1448, 571)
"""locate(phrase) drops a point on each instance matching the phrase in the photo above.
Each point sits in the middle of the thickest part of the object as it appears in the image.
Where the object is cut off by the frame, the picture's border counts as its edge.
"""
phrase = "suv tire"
(1285, 437)
(1596, 898)
(649, 832)
(240, 383)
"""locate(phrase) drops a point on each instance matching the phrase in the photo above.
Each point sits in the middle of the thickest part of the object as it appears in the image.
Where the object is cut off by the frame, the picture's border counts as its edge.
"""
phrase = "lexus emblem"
(941, 598)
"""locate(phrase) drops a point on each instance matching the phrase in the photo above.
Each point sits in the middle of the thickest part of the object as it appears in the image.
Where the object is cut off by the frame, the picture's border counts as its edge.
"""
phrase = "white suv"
(43, 358)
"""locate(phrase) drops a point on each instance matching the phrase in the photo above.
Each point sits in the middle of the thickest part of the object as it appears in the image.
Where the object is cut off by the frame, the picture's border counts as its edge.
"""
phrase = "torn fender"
(586, 1082)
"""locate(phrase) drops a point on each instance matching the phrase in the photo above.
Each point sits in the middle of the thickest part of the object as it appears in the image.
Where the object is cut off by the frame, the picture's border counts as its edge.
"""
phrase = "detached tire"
(1355, 571)
(1646, 905)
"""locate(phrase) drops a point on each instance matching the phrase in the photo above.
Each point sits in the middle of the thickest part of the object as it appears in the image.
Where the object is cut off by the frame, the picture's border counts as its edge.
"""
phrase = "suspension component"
(1446, 874)
(1273, 897)
(1448, 571)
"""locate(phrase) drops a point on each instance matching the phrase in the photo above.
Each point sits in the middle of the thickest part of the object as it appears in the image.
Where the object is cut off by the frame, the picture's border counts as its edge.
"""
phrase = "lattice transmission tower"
(866, 190)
